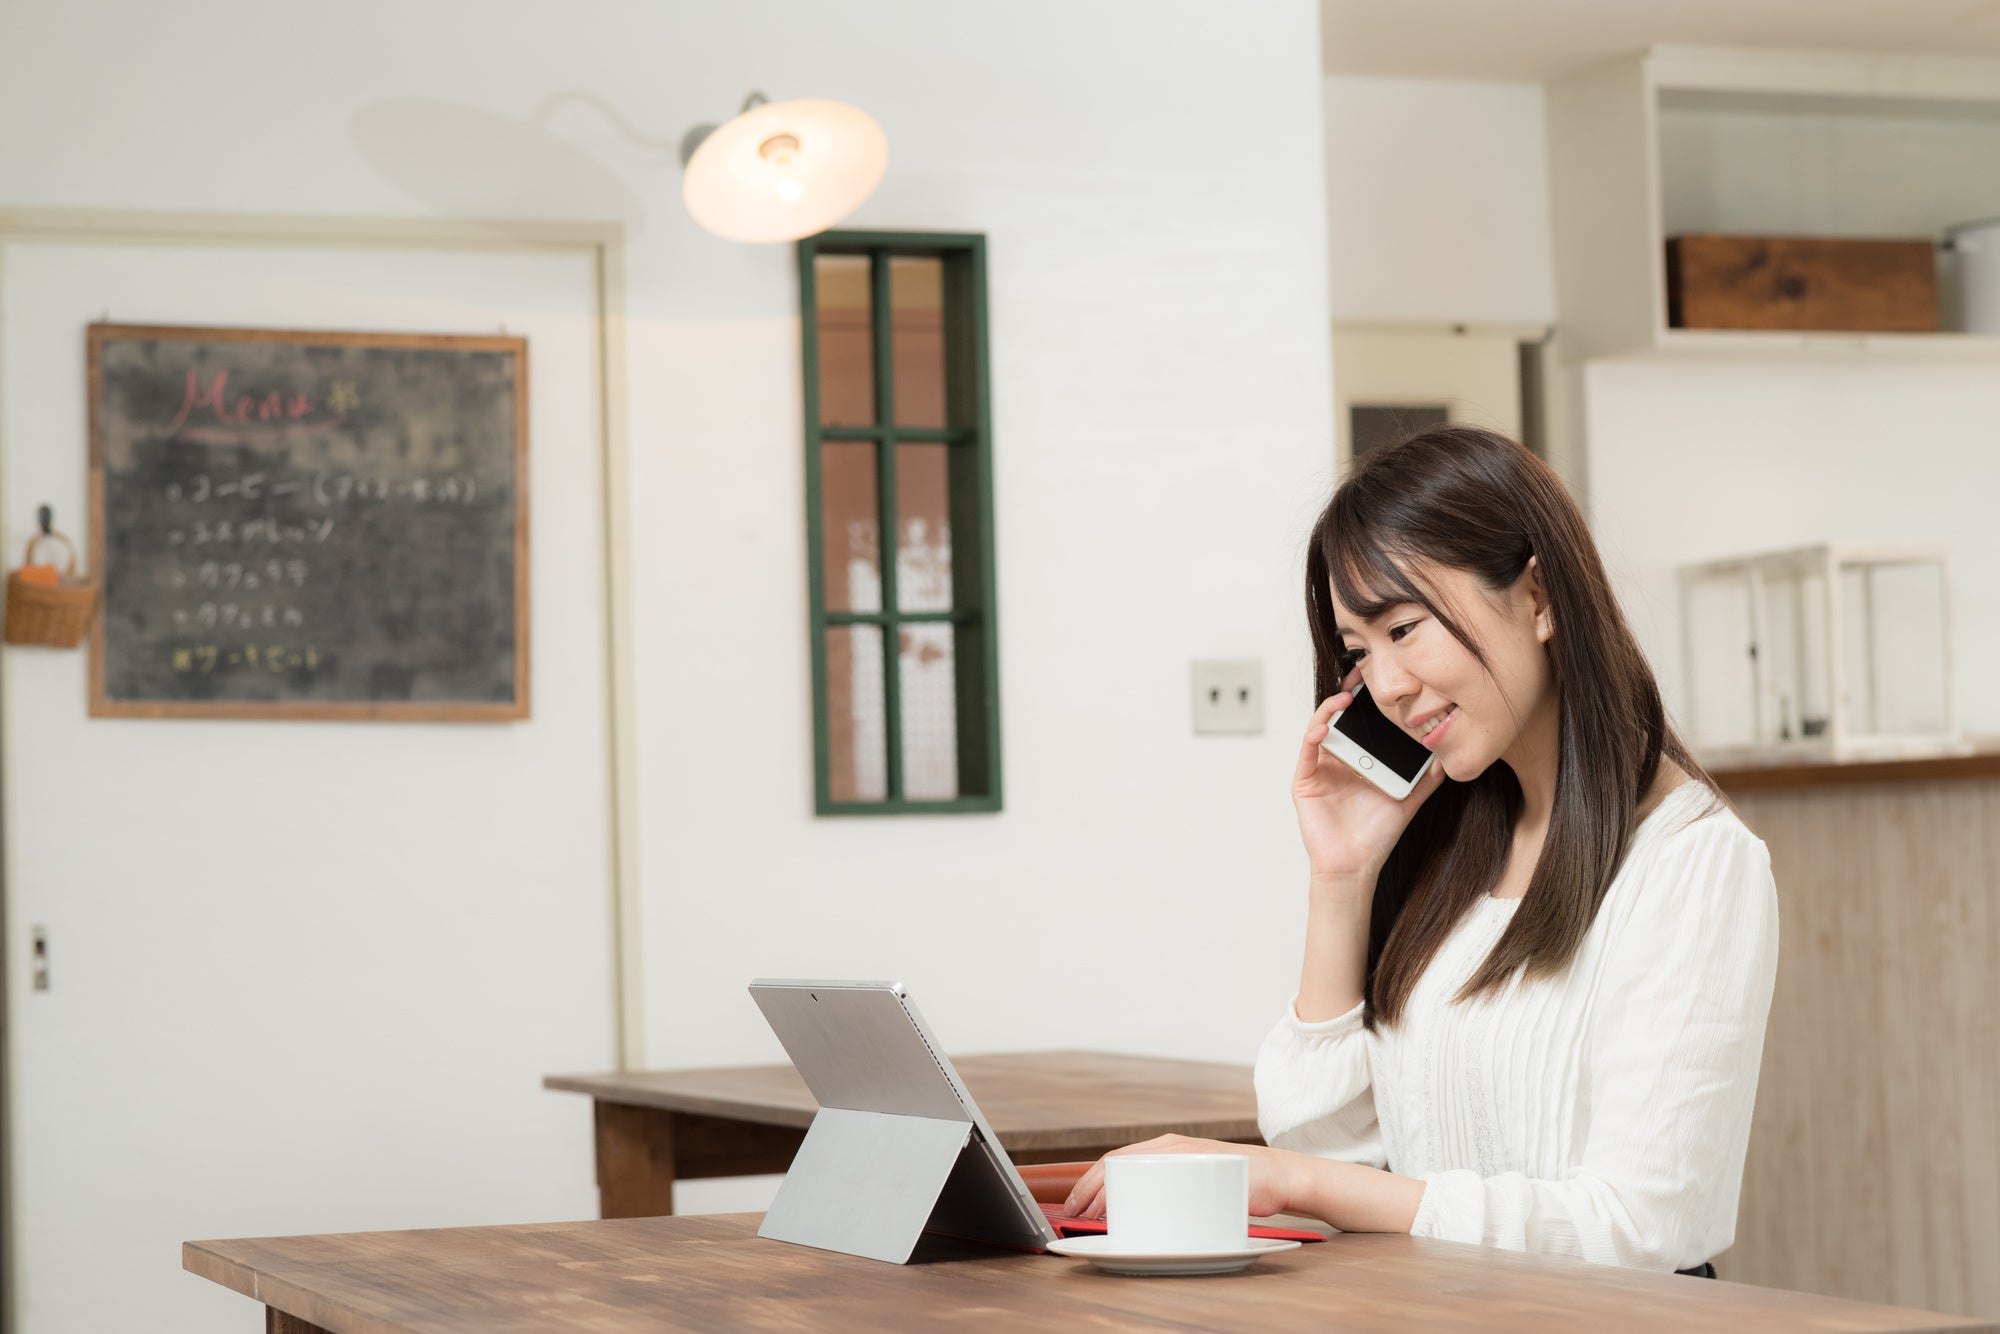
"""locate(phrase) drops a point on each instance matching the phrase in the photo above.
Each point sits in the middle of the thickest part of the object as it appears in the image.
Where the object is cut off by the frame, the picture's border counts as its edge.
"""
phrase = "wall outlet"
(1228, 696)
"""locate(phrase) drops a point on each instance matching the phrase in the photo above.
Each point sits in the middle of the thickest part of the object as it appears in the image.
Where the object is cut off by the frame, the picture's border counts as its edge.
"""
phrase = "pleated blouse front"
(1603, 1112)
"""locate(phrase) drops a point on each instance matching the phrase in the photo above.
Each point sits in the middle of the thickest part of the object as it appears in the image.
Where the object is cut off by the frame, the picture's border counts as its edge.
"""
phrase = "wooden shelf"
(1732, 344)
(1680, 140)
(1982, 763)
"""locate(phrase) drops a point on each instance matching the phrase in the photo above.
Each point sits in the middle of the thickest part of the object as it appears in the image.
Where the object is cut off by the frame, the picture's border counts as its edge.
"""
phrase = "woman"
(1534, 992)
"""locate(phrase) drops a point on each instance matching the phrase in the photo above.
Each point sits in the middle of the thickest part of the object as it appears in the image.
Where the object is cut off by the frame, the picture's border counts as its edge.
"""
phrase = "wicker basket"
(55, 615)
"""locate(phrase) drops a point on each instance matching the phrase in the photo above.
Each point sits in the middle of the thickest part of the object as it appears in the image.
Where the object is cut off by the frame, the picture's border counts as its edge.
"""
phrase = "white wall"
(304, 977)
(1691, 460)
(1438, 201)
(1149, 178)
(1161, 409)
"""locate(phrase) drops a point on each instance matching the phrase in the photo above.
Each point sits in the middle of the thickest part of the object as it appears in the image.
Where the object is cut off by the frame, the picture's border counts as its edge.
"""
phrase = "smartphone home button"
(1367, 763)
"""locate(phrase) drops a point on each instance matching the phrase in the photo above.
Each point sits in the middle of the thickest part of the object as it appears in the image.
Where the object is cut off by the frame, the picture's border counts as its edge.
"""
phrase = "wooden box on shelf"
(1802, 282)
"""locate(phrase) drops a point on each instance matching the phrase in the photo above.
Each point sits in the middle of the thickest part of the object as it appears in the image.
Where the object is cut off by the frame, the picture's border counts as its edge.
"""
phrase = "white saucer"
(1118, 1257)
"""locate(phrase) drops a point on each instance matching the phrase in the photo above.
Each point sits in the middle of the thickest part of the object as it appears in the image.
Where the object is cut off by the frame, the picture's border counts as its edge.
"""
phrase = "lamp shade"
(783, 170)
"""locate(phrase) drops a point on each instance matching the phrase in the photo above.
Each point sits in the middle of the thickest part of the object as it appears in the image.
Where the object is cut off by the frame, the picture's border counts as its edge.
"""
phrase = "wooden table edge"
(1243, 1130)
(199, 1260)
(762, 1114)
(286, 1295)
(594, 1084)
(277, 1293)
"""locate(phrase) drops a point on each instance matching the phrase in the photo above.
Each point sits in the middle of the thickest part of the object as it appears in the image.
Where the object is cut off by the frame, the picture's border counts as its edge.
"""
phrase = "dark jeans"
(1706, 1269)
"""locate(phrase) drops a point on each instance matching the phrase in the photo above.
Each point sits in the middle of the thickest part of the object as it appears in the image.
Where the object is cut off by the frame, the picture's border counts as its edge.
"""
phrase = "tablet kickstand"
(865, 1183)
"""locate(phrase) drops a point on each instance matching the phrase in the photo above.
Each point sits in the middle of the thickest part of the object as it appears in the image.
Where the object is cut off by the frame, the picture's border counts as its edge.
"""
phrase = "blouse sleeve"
(1314, 1093)
(1674, 1049)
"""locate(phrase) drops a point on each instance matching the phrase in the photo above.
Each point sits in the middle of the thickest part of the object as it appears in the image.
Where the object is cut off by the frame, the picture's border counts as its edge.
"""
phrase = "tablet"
(866, 1054)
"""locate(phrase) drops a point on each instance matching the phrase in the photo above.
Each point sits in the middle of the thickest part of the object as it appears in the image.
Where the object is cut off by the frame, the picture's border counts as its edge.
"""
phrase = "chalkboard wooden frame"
(102, 706)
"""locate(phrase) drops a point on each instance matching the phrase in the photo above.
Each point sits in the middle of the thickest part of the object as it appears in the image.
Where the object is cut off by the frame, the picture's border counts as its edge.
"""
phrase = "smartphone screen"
(1363, 724)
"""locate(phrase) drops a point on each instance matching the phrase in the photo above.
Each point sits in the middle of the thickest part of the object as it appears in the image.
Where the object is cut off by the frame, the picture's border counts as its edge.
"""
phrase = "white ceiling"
(1540, 39)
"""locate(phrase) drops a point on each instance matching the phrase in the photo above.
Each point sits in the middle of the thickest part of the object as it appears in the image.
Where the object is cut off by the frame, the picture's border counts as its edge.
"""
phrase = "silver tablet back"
(862, 1046)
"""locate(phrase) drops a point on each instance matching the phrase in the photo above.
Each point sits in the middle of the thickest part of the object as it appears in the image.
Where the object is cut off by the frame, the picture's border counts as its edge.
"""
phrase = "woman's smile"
(1432, 732)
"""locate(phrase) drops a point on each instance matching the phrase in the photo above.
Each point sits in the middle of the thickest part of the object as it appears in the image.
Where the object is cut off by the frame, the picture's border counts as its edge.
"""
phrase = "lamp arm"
(683, 147)
(605, 109)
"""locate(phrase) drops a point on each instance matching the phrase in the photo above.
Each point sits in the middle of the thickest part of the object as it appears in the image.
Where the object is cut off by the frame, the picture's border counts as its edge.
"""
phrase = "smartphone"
(1363, 739)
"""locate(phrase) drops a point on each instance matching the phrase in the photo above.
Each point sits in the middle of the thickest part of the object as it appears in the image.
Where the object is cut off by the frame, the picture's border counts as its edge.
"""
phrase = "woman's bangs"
(1366, 579)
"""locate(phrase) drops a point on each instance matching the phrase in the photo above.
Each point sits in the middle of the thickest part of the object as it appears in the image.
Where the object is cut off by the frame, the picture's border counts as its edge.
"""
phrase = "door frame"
(603, 243)
(1443, 381)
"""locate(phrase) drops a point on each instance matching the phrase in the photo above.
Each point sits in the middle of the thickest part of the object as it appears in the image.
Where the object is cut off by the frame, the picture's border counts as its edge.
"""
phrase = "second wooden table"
(655, 1127)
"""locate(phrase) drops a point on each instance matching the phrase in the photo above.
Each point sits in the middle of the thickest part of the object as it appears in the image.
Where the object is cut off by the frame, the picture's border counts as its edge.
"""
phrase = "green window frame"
(966, 435)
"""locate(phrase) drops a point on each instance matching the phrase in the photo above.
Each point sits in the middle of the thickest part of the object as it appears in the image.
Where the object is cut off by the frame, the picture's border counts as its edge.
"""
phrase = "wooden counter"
(1982, 763)
(1874, 1164)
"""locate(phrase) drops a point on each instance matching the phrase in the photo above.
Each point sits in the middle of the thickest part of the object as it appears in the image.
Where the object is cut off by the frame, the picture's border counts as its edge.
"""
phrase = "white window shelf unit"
(1832, 652)
(1689, 139)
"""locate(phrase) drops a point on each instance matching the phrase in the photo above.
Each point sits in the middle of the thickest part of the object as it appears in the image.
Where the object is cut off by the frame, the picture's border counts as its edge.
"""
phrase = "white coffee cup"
(1177, 1201)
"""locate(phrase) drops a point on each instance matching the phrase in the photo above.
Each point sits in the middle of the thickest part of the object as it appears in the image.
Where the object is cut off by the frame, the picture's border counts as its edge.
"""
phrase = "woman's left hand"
(1270, 1174)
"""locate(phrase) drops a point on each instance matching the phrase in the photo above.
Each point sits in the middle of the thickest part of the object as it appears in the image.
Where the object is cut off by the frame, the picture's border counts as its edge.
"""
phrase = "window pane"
(850, 552)
(1896, 616)
(1724, 687)
(916, 312)
(846, 337)
(923, 528)
(856, 731)
(930, 713)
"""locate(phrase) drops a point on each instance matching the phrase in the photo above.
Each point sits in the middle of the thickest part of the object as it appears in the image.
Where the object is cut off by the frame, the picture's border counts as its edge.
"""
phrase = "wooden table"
(658, 1126)
(712, 1272)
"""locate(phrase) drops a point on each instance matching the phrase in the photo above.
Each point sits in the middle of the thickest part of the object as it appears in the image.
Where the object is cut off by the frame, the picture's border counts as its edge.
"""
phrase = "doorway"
(1390, 380)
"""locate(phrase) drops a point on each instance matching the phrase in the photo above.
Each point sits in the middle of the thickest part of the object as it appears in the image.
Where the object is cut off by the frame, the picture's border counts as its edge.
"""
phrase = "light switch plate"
(1228, 696)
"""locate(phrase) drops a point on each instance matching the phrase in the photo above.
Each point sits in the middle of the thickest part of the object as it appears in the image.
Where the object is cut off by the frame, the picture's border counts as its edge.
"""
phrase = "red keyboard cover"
(1066, 1226)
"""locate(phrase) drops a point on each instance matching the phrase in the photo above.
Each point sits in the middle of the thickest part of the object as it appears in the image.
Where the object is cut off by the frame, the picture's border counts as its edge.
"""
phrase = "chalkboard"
(308, 525)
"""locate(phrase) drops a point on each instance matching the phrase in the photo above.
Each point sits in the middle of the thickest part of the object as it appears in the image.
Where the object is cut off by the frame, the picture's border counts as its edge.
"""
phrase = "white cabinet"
(1684, 139)
(1825, 652)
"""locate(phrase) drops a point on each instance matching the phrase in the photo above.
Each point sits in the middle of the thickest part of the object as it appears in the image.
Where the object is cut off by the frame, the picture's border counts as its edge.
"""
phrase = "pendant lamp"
(782, 170)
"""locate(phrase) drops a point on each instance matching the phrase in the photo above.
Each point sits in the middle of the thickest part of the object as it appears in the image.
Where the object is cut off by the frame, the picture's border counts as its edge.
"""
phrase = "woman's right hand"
(1349, 825)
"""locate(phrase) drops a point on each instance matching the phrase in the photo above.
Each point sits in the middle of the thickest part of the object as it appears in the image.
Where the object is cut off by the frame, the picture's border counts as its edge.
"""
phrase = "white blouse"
(1602, 1112)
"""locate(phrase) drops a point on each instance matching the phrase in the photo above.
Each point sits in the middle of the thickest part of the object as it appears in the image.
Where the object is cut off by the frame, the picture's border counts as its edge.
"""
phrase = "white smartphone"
(1363, 739)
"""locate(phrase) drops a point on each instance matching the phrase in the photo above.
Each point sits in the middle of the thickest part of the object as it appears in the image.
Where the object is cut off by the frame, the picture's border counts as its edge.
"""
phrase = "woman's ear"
(1545, 625)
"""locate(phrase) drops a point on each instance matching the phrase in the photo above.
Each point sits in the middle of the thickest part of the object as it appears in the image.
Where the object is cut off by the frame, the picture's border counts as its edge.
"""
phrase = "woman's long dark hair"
(1474, 500)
